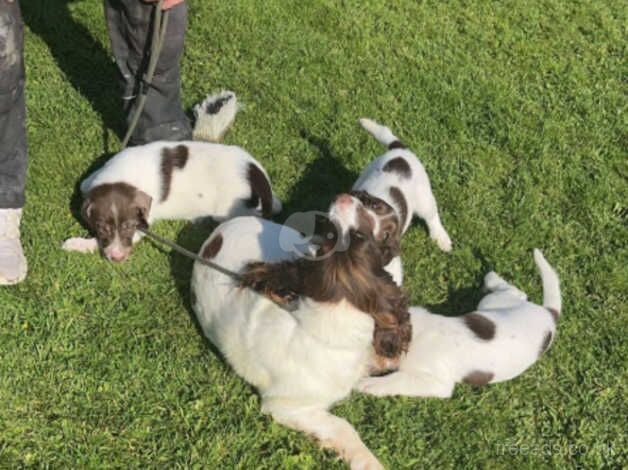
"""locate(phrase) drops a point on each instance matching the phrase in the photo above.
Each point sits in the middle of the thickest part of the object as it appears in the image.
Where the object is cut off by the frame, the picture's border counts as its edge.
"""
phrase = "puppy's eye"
(101, 227)
(386, 236)
(358, 235)
(128, 225)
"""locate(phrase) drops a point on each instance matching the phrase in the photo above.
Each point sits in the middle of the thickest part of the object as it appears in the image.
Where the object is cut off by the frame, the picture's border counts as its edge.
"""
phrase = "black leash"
(189, 254)
(288, 306)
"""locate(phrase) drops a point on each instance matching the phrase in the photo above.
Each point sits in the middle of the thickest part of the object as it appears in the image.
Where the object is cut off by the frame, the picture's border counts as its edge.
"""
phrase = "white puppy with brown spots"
(173, 180)
(499, 341)
(301, 361)
(398, 178)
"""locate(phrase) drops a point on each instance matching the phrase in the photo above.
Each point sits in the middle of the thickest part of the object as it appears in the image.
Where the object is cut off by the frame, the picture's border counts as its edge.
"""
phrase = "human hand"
(166, 5)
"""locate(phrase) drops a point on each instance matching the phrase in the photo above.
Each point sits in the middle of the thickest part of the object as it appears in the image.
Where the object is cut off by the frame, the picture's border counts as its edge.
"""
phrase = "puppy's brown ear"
(86, 211)
(389, 251)
(142, 202)
(387, 342)
(392, 334)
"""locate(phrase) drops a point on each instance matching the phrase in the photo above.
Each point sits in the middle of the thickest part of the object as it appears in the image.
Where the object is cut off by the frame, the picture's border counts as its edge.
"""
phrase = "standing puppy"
(172, 180)
(398, 178)
(499, 341)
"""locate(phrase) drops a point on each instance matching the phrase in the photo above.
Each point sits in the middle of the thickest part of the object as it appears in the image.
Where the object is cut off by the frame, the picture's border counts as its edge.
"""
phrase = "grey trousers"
(12, 107)
(129, 23)
(130, 31)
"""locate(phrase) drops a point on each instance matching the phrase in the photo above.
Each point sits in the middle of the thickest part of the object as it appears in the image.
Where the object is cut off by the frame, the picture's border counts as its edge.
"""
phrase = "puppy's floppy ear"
(86, 211)
(142, 203)
(387, 342)
(390, 250)
(392, 334)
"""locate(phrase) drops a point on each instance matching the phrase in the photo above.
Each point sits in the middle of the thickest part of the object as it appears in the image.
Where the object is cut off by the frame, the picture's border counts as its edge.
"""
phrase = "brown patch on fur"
(132, 209)
(355, 275)
(396, 144)
(213, 247)
(402, 204)
(481, 326)
(171, 158)
(260, 191)
(214, 107)
(547, 340)
(389, 236)
(399, 166)
(478, 378)
(554, 313)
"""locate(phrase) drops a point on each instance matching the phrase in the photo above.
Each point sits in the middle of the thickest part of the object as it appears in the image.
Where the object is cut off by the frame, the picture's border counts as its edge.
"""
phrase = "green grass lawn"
(518, 112)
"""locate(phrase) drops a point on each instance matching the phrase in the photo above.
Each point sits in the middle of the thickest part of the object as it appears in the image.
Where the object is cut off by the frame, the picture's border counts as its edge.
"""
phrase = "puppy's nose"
(344, 200)
(117, 255)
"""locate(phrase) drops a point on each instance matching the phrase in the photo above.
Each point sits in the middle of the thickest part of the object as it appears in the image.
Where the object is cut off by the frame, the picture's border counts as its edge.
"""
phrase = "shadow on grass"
(87, 66)
(84, 61)
(190, 237)
(464, 299)
(322, 179)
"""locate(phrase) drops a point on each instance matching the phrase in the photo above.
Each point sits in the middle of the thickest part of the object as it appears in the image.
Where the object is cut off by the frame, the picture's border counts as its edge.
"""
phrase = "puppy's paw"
(444, 243)
(492, 280)
(82, 245)
(364, 460)
(265, 279)
(281, 296)
(255, 275)
(376, 386)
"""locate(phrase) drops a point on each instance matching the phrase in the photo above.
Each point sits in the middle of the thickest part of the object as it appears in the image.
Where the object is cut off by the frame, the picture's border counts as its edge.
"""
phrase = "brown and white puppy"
(502, 338)
(305, 360)
(363, 244)
(399, 178)
(387, 231)
(169, 180)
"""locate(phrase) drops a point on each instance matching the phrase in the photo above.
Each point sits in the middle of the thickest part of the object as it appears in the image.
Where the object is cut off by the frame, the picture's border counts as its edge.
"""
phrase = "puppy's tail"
(214, 115)
(382, 134)
(551, 285)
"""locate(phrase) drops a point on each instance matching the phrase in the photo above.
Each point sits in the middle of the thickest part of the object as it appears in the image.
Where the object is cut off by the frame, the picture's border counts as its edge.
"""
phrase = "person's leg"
(130, 30)
(12, 142)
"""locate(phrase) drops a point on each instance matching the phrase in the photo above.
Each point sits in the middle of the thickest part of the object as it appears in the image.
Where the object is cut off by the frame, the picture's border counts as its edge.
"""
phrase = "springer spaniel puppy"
(301, 361)
(173, 180)
(499, 341)
(398, 178)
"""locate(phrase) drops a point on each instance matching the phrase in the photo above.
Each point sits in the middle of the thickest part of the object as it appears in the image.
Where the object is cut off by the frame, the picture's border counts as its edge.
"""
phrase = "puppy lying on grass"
(305, 360)
(173, 180)
(499, 341)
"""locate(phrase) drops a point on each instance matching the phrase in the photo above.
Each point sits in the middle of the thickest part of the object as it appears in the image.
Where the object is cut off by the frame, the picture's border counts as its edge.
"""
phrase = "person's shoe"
(13, 266)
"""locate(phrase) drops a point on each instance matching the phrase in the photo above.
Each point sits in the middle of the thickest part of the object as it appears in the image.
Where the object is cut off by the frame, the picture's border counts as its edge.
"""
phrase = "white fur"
(80, 244)
(212, 183)
(395, 269)
(444, 350)
(301, 362)
(211, 127)
(416, 190)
